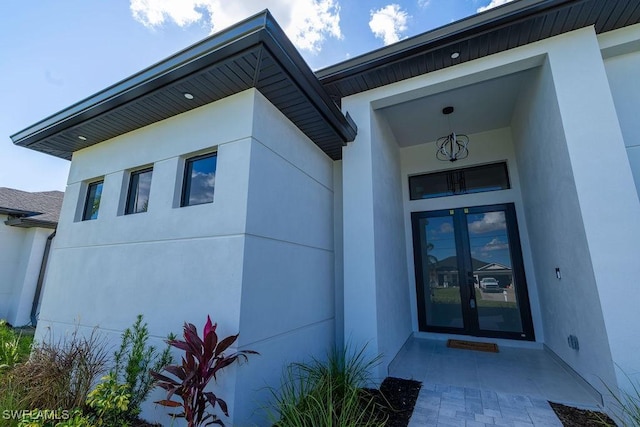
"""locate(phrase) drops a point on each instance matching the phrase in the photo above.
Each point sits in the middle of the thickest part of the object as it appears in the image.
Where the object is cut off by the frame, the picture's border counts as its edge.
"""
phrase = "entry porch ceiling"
(478, 107)
(515, 24)
(253, 53)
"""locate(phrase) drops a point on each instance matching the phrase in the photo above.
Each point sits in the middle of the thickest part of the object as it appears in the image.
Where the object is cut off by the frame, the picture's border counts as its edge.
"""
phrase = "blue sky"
(54, 53)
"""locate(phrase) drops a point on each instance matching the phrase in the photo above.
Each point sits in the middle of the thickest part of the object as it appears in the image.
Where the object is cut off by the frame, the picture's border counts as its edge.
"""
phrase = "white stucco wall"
(170, 264)
(259, 259)
(605, 188)
(21, 251)
(11, 250)
(487, 147)
(376, 298)
(287, 309)
(392, 297)
(570, 306)
(622, 72)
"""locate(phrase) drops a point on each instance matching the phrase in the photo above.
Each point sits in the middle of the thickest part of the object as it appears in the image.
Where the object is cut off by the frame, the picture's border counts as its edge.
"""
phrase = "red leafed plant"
(202, 360)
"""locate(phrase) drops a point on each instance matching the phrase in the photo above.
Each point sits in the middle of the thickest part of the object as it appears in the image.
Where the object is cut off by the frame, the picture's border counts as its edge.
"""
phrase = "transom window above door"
(476, 179)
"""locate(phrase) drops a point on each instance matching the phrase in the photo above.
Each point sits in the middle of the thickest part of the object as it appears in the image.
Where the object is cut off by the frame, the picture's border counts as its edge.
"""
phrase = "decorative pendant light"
(453, 146)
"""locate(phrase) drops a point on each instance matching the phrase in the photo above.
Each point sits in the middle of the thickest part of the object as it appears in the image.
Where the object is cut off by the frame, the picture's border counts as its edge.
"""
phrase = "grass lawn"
(452, 296)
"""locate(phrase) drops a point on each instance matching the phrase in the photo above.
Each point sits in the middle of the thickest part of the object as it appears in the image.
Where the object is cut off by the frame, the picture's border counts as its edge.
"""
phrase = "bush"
(14, 347)
(327, 393)
(133, 361)
(203, 359)
(59, 375)
(110, 402)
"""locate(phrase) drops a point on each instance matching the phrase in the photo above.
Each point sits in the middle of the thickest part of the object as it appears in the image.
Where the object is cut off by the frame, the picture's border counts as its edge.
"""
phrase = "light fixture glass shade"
(452, 147)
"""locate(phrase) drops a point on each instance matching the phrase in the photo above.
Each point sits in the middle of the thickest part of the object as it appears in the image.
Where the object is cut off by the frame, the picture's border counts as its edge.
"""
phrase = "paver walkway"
(471, 388)
(445, 405)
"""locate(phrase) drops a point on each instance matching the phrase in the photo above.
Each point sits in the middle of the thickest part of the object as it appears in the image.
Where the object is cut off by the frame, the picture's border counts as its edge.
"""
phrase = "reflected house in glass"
(305, 209)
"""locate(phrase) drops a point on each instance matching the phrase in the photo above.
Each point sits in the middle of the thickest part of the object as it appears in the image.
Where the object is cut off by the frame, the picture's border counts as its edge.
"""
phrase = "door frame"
(469, 314)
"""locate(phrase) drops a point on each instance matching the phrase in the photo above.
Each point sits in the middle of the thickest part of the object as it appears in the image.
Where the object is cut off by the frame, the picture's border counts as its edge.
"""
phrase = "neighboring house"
(330, 207)
(27, 226)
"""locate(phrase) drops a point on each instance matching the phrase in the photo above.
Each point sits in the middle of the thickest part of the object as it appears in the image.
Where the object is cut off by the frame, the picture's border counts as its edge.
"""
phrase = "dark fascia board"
(154, 77)
(30, 223)
(299, 72)
(439, 37)
(224, 44)
(17, 212)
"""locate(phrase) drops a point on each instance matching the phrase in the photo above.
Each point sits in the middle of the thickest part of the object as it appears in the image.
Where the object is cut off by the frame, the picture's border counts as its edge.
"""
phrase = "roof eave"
(30, 223)
(151, 78)
(260, 30)
(438, 37)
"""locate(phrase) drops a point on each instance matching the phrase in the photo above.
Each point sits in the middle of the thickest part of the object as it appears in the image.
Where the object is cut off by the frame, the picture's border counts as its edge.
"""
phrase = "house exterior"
(306, 210)
(27, 227)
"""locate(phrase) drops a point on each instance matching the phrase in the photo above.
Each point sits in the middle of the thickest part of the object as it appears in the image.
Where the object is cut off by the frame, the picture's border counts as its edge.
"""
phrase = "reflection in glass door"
(469, 273)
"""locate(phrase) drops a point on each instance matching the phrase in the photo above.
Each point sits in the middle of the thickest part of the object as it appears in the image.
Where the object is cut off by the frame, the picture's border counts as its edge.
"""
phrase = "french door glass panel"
(440, 272)
(495, 287)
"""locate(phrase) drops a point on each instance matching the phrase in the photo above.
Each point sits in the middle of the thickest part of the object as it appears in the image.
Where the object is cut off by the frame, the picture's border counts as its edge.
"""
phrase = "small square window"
(199, 180)
(92, 203)
(138, 196)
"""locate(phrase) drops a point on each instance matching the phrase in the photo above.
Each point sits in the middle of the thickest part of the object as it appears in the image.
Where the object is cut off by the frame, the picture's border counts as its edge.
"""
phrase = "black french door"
(469, 272)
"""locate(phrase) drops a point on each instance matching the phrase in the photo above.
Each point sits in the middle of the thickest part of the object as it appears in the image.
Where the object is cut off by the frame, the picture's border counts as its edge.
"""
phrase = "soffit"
(253, 53)
(515, 24)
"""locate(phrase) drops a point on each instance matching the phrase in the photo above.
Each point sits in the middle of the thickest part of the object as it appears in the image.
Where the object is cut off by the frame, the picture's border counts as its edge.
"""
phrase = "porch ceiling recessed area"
(479, 107)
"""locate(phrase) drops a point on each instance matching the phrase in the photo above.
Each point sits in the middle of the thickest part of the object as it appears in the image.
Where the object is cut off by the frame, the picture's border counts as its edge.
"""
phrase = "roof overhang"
(253, 53)
(26, 222)
(514, 24)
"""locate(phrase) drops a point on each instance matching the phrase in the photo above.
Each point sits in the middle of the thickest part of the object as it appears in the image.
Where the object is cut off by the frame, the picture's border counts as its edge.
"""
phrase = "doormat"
(471, 345)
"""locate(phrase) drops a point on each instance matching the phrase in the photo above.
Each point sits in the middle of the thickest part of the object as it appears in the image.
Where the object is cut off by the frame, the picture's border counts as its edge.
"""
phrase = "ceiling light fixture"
(83, 138)
(455, 55)
(188, 95)
(452, 147)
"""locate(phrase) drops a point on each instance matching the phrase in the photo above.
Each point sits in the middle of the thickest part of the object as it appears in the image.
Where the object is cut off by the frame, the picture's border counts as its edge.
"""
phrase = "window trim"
(186, 181)
(86, 199)
(128, 203)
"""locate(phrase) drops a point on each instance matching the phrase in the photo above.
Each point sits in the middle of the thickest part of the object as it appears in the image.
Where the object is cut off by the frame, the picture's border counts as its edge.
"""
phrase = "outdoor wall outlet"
(558, 275)
(572, 340)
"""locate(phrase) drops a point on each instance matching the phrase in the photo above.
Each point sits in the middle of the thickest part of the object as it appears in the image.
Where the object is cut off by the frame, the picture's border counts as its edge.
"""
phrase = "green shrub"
(327, 393)
(133, 361)
(14, 347)
(110, 402)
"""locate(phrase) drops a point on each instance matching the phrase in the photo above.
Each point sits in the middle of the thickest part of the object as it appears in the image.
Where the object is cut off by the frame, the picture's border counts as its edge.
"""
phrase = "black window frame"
(186, 178)
(85, 211)
(454, 178)
(128, 210)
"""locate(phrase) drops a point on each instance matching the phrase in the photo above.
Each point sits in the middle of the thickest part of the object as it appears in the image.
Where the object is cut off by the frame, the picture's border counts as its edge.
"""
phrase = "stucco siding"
(570, 306)
(622, 72)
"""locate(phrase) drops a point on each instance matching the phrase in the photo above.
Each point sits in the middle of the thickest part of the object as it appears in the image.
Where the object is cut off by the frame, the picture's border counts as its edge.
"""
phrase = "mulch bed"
(574, 417)
(395, 399)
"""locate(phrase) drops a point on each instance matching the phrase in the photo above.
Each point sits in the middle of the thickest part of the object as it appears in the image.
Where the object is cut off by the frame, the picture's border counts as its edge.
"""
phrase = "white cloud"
(491, 221)
(495, 245)
(424, 3)
(306, 22)
(388, 23)
(494, 3)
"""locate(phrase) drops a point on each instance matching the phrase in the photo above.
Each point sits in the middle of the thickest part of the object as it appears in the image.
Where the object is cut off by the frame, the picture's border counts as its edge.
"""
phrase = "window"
(92, 204)
(138, 196)
(476, 179)
(199, 180)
